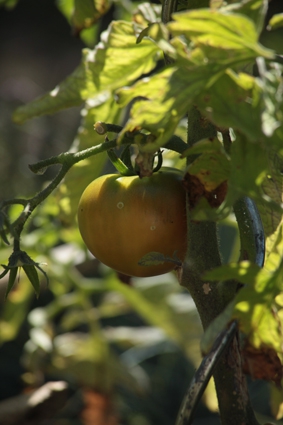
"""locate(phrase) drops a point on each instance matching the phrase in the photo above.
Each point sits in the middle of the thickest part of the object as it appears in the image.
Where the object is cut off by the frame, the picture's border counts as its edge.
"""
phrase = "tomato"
(121, 219)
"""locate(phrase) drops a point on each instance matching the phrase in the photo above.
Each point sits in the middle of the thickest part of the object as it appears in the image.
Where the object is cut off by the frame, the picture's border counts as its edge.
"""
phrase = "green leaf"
(169, 94)
(212, 167)
(21, 259)
(32, 275)
(9, 4)
(252, 9)
(225, 37)
(77, 179)
(4, 226)
(101, 71)
(147, 13)
(87, 12)
(276, 21)
(12, 278)
(243, 272)
(249, 167)
(272, 188)
(234, 101)
(66, 7)
(256, 308)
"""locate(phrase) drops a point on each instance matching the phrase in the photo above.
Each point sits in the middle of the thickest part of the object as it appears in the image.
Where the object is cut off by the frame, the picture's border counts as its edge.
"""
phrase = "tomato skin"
(121, 219)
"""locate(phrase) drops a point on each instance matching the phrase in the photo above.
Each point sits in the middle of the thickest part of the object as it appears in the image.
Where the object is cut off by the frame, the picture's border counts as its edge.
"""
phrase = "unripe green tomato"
(123, 218)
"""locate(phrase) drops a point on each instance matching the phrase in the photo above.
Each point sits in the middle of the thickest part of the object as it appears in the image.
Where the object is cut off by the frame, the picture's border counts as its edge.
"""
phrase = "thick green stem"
(203, 255)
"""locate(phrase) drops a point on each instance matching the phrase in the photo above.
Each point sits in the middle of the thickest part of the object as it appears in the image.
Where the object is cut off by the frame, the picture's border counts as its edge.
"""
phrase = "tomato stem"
(159, 161)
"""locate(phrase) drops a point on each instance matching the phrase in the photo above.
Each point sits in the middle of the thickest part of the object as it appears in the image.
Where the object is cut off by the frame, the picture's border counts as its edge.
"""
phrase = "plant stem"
(66, 161)
(203, 255)
(203, 375)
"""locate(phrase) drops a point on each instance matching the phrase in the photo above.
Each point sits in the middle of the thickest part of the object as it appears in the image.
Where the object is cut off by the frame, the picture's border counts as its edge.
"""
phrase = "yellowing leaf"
(260, 319)
(212, 167)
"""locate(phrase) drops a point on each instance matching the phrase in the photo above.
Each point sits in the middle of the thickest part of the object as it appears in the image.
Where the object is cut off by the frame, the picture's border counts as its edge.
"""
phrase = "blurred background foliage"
(127, 348)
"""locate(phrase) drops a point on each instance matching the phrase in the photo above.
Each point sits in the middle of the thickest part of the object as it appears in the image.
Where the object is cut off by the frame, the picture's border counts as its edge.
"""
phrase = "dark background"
(37, 51)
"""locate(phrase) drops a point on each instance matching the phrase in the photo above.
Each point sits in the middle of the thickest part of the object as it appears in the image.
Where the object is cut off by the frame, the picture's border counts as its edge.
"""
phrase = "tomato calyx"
(120, 166)
(144, 162)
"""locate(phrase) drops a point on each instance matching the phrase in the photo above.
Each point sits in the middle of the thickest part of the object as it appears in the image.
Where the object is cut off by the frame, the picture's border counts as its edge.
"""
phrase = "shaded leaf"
(9, 4)
(234, 101)
(87, 12)
(249, 167)
(4, 226)
(32, 275)
(252, 9)
(12, 279)
(21, 259)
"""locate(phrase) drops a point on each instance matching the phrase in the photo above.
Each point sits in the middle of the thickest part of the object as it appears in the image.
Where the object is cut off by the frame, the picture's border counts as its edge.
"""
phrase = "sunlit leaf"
(276, 21)
(101, 71)
(212, 167)
(252, 9)
(244, 272)
(68, 194)
(169, 94)
(272, 187)
(222, 36)
(147, 13)
(256, 309)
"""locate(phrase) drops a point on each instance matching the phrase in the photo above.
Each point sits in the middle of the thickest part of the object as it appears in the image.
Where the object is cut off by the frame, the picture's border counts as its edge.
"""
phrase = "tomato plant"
(222, 80)
(123, 218)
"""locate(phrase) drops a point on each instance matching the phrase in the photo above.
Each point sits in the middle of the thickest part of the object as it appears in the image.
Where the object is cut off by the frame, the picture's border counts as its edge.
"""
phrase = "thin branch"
(203, 375)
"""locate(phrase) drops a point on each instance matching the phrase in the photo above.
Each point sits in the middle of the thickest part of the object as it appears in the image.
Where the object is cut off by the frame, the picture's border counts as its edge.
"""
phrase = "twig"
(203, 375)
